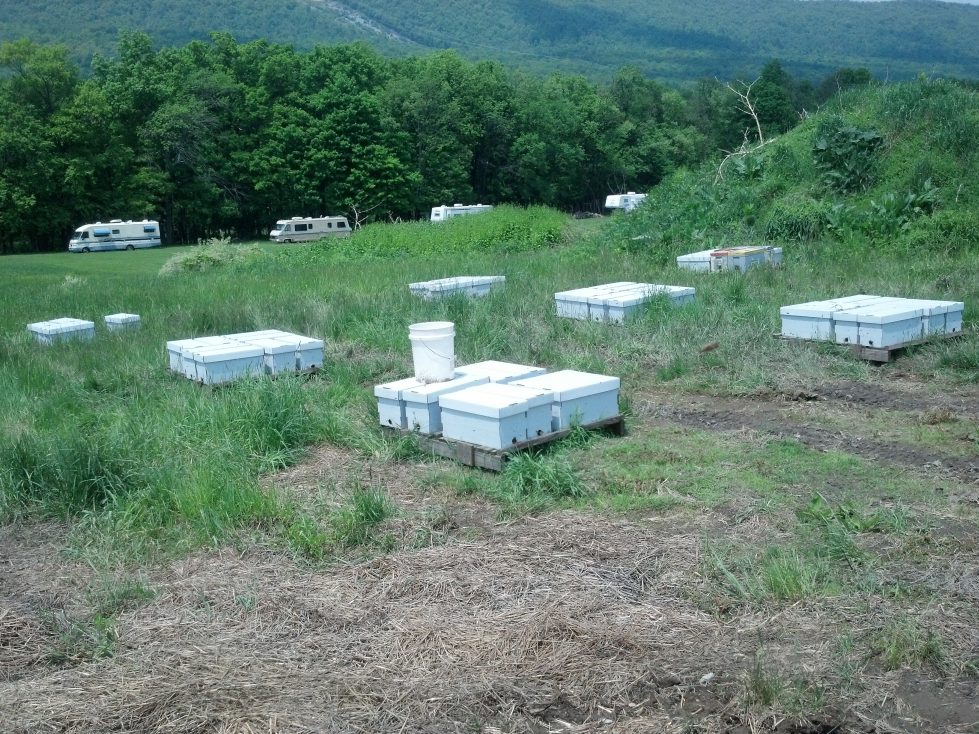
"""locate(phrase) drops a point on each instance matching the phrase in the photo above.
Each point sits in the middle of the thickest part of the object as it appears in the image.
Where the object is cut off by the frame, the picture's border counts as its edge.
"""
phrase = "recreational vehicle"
(116, 235)
(303, 229)
(625, 202)
(441, 213)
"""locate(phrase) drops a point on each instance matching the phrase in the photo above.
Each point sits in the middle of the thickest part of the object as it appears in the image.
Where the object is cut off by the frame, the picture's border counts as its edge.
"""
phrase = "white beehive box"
(309, 352)
(422, 411)
(496, 415)
(578, 397)
(621, 305)
(48, 332)
(941, 317)
(814, 319)
(882, 324)
(278, 354)
(598, 301)
(216, 365)
(120, 321)
(573, 304)
(739, 259)
(186, 349)
(496, 371)
(391, 404)
(470, 285)
(697, 261)
(615, 301)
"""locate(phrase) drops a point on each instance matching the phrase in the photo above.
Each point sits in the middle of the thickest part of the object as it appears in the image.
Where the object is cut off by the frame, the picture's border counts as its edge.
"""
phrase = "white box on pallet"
(219, 364)
(496, 415)
(48, 332)
(391, 404)
(941, 317)
(814, 319)
(422, 411)
(119, 321)
(579, 397)
(881, 324)
(573, 304)
(496, 371)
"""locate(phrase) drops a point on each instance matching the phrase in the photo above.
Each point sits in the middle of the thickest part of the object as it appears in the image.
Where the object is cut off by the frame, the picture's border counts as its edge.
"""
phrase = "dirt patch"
(923, 701)
(960, 401)
(782, 421)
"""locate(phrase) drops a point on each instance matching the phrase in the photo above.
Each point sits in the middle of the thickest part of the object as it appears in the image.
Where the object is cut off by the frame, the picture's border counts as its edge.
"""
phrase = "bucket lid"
(431, 326)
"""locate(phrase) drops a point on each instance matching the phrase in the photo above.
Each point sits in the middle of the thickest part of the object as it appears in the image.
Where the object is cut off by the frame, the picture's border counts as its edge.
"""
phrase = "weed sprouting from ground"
(904, 642)
(539, 479)
(343, 528)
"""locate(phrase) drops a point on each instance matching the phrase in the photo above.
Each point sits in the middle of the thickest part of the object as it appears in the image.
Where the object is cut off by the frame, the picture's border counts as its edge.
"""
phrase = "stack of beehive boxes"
(614, 302)
(219, 359)
(63, 329)
(497, 404)
(737, 259)
(473, 286)
(871, 321)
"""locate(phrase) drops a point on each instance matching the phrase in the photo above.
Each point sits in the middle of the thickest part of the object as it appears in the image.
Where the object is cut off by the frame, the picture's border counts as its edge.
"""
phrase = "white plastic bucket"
(433, 350)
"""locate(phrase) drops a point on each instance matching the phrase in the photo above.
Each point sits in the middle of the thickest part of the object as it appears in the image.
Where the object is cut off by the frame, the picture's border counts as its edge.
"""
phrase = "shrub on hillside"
(845, 154)
(799, 219)
(947, 232)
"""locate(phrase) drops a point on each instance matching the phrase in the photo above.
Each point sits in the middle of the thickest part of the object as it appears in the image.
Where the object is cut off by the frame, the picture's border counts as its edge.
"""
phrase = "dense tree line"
(224, 137)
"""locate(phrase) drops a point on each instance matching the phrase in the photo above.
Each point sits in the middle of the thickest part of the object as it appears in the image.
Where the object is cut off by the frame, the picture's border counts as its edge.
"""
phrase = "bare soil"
(572, 621)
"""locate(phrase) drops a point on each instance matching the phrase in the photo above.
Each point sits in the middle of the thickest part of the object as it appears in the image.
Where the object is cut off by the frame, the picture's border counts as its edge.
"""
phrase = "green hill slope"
(889, 169)
(671, 39)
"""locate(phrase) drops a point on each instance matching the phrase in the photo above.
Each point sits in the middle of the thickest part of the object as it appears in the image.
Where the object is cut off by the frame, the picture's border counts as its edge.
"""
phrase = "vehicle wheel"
(85, 249)
(130, 247)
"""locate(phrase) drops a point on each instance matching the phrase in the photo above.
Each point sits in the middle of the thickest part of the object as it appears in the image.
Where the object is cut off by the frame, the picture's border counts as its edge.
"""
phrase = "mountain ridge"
(672, 40)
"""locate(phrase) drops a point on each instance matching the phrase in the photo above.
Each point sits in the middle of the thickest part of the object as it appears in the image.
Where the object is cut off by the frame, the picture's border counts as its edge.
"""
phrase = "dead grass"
(568, 622)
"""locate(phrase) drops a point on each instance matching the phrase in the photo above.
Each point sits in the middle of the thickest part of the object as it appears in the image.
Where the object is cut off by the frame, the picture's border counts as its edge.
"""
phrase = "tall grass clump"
(215, 253)
(504, 229)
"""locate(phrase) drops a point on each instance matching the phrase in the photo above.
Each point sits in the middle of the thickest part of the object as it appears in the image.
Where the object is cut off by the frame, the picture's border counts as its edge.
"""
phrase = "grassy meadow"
(99, 429)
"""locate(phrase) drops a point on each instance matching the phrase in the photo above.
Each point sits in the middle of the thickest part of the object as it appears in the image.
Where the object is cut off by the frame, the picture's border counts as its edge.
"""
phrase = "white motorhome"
(303, 229)
(115, 235)
(625, 202)
(441, 213)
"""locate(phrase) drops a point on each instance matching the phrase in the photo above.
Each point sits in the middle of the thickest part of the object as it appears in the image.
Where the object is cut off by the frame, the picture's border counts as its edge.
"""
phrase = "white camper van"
(625, 202)
(116, 235)
(303, 229)
(441, 213)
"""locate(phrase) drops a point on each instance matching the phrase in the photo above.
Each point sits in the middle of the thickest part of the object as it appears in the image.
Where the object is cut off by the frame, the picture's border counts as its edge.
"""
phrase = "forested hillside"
(223, 137)
(673, 40)
(882, 171)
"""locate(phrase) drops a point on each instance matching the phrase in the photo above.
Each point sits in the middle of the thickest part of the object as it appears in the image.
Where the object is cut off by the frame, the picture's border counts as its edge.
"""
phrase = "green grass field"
(799, 474)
